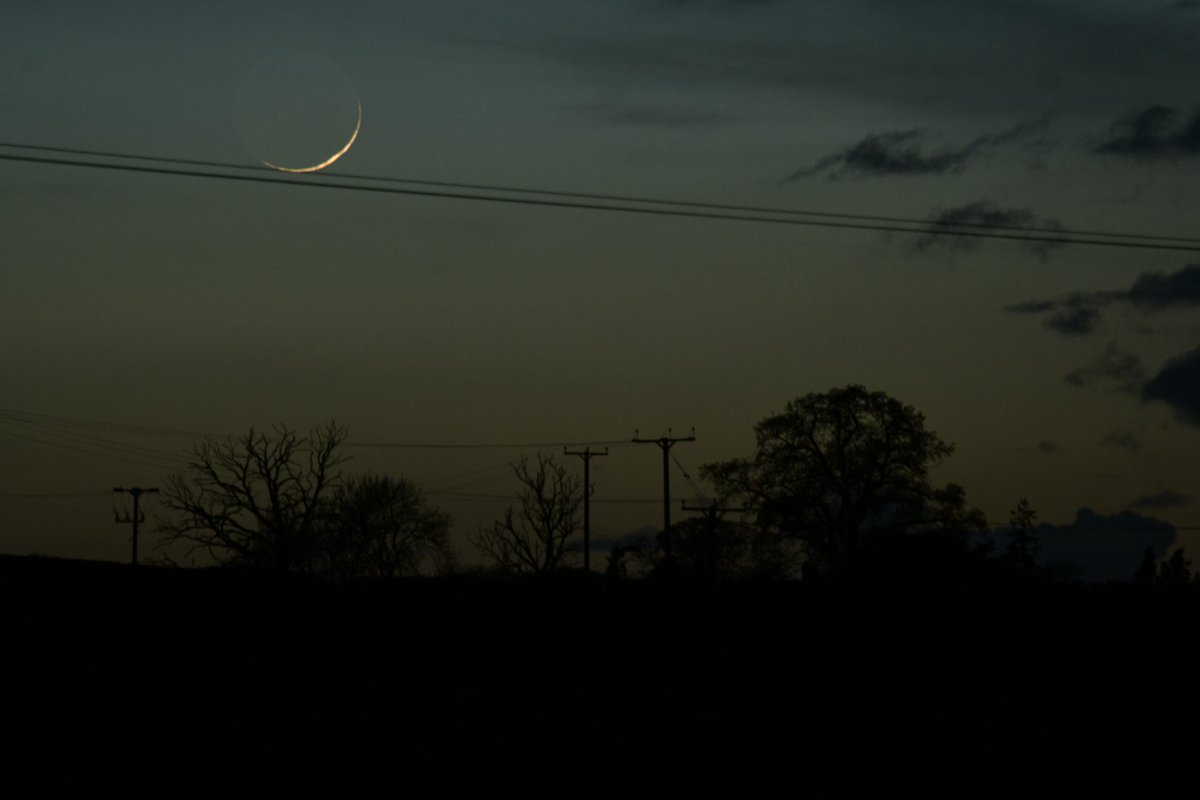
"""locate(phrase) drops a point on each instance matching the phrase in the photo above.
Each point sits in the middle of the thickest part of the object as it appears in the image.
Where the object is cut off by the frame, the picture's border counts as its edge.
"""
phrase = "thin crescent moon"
(327, 162)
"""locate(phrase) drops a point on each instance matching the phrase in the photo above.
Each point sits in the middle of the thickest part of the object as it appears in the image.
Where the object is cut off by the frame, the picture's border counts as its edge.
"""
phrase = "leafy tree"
(1176, 570)
(380, 526)
(533, 540)
(257, 499)
(841, 471)
(1147, 570)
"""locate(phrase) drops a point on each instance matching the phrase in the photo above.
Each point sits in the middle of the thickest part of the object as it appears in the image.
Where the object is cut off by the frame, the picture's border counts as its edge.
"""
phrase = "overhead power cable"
(511, 497)
(54, 495)
(483, 445)
(936, 225)
(663, 208)
(60, 426)
(98, 425)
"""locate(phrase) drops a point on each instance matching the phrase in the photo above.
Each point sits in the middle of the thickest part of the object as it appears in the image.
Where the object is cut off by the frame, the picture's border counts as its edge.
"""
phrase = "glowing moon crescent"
(327, 162)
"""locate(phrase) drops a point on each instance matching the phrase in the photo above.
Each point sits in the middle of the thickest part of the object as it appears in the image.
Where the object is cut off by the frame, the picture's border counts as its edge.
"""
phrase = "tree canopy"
(838, 470)
(379, 526)
(533, 540)
(255, 499)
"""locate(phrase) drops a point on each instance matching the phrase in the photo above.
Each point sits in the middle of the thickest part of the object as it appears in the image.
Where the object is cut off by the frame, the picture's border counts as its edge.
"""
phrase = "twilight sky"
(1069, 374)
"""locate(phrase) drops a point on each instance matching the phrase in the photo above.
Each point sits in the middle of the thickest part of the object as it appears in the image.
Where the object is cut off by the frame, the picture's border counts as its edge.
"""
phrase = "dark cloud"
(1154, 132)
(1080, 313)
(1045, 446)
(1178, 385)
(1120, 371)
(1033, 306)
(1154, 291)
(1104, 547)
(1074, 321)
(910, 152)
(1122, 440)
(982, 215)
(1167, 498)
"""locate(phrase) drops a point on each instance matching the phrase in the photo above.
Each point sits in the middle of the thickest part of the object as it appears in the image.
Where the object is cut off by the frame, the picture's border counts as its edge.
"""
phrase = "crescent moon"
(327, 162)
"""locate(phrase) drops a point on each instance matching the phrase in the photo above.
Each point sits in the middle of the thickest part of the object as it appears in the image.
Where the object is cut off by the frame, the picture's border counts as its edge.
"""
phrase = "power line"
(115, 427)
(699, 492)
(481, 445)
(139, 461)
(89, 440)
(927, 227)
(26, 418)
(50, 495)
(509, 497)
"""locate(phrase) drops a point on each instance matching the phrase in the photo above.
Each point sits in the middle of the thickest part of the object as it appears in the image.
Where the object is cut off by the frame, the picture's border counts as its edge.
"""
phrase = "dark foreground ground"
(791, 676)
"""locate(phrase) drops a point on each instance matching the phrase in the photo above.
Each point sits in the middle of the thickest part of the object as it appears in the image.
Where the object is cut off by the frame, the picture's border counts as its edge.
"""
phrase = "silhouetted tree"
(380, 526)
(534, 539)
(257, 499)
(1022, 544)
(712, 549)
(1147, 570)
(1176, 570)
(838, 470)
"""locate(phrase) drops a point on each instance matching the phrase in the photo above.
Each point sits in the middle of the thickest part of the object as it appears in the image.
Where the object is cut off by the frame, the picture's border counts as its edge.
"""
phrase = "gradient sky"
(1068, 374)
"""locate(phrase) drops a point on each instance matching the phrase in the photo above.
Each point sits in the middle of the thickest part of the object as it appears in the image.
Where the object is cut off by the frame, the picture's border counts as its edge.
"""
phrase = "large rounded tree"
(839, 470)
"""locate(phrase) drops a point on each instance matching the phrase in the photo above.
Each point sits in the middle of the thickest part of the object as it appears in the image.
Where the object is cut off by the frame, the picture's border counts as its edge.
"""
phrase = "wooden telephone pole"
(137, 516)
(665, 443)
(587, 455)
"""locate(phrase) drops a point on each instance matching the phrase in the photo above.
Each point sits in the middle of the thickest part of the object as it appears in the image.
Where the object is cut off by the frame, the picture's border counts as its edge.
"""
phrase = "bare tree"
(534, 539)
(256, 499)
(383, 527)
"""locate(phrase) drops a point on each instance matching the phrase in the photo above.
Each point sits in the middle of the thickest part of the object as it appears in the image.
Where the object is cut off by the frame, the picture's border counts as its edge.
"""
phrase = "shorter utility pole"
(137, 516)
(712, 515)
(587, 455)
(665, 443)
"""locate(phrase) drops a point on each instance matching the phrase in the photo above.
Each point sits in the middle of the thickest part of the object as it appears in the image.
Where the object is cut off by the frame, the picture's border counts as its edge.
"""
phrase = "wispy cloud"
(1154, 132)
(1080, 313)
(910, 152)
(1167, 498)
(983, 214)
(1122, 440)
(1118, 370)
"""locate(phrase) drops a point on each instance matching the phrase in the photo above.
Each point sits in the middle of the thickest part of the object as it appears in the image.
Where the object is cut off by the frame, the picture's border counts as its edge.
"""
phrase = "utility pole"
(587, 455)
(137, 516)
(665, 443)
(712, 515)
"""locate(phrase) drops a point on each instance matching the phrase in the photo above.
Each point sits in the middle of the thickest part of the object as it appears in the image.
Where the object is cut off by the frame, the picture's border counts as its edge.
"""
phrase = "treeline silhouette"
(838, 488)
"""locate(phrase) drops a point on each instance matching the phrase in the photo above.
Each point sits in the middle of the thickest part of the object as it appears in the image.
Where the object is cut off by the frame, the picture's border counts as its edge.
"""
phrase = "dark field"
(797, 675)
